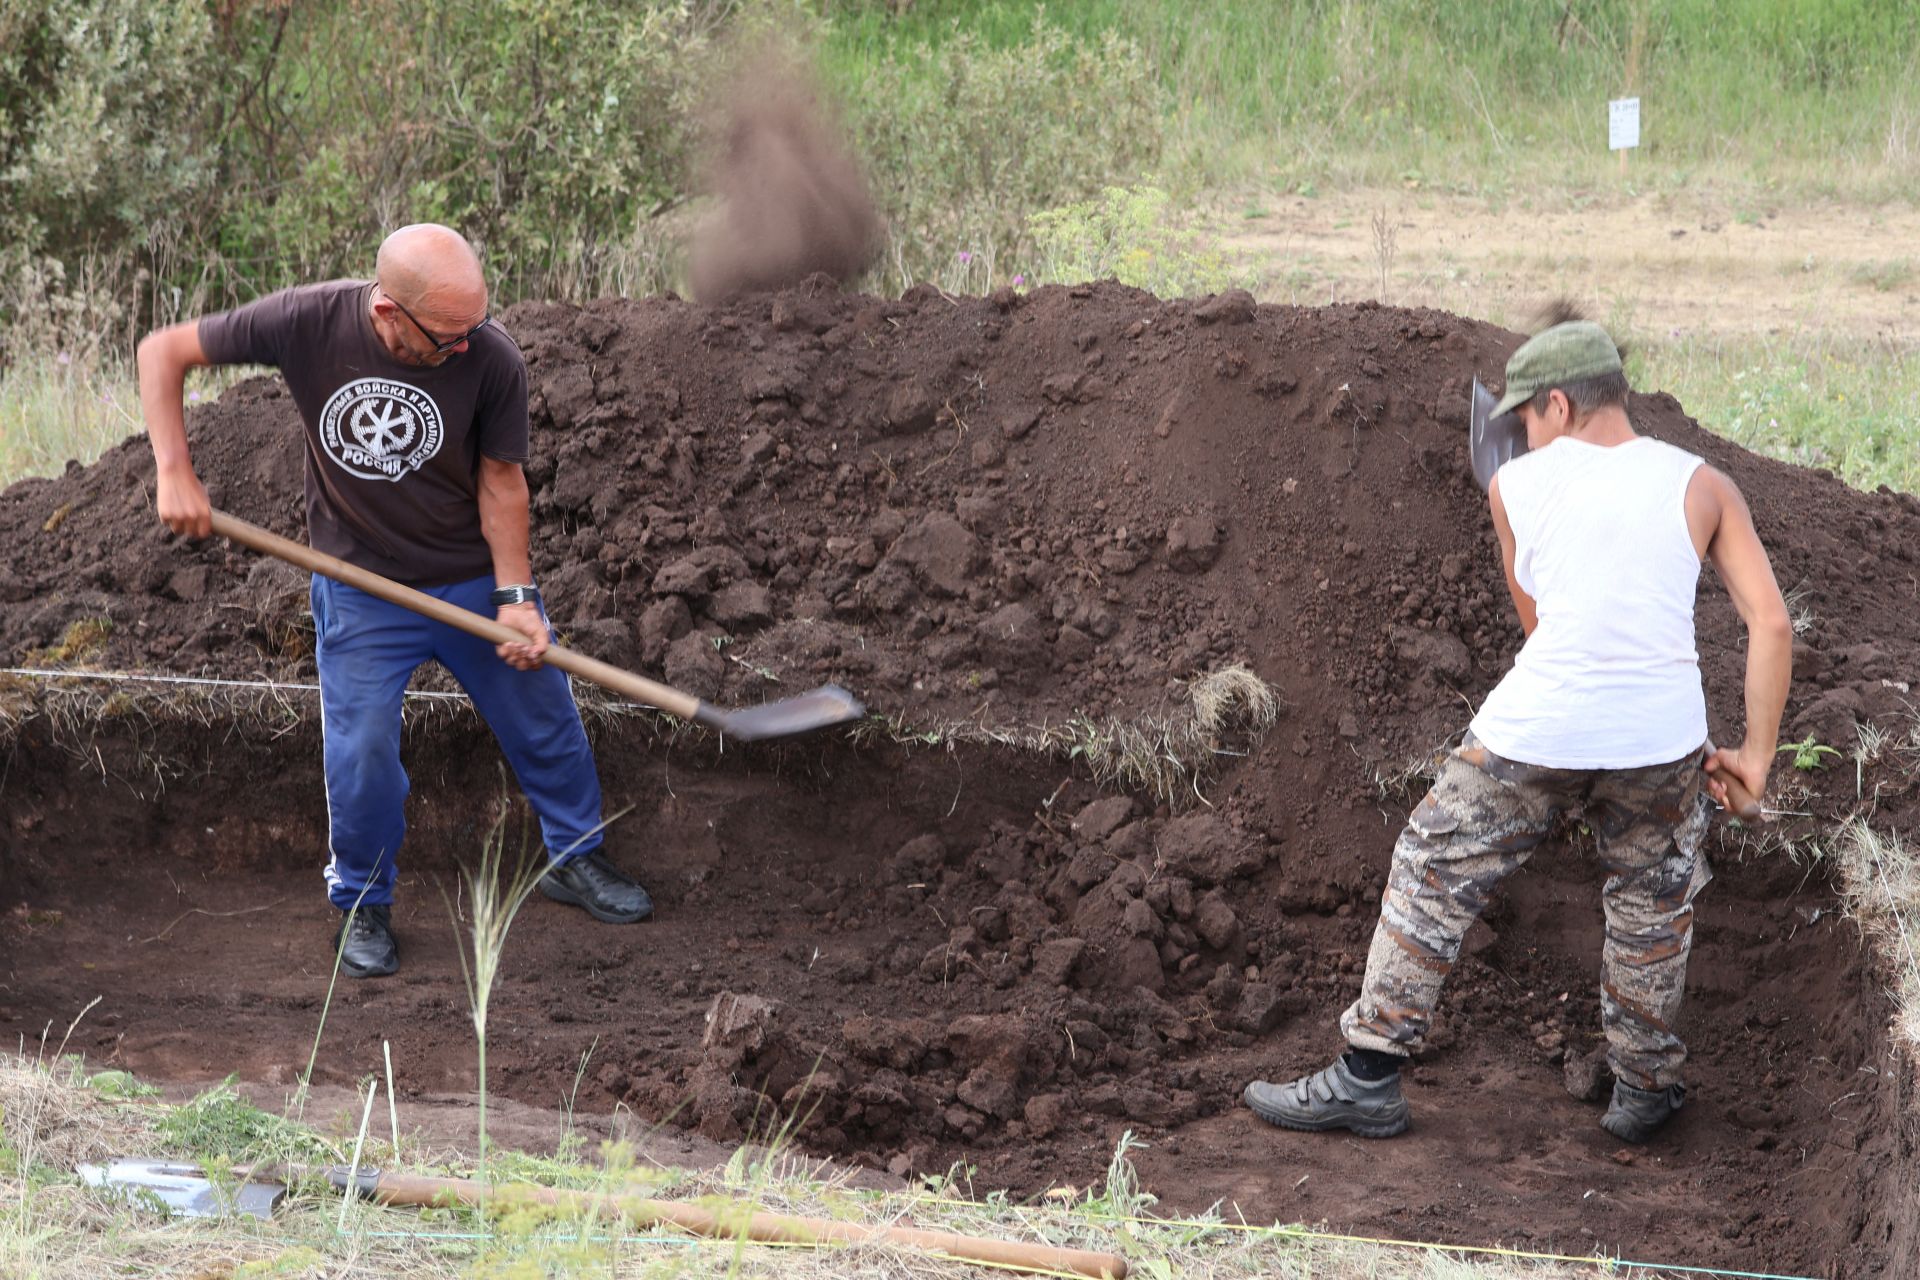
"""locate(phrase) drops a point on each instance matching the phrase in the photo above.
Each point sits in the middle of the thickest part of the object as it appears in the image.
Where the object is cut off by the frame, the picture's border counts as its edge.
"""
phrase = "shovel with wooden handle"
(179, 1186)
(804, 713)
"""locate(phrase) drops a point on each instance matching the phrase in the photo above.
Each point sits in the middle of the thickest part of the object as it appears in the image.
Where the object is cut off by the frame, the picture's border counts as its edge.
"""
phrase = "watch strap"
(524, 593)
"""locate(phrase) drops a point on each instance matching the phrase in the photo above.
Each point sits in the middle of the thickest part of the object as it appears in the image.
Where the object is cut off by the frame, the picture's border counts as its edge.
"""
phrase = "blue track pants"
(367, 650)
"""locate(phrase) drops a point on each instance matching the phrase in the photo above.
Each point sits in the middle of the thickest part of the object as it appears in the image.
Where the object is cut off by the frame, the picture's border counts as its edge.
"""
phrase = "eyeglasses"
(439, 347)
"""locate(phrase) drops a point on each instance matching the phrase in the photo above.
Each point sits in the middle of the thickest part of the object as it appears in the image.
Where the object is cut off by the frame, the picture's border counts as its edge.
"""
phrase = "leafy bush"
(1129, 236)
(964, 141)
(543, 129)
(99, 127)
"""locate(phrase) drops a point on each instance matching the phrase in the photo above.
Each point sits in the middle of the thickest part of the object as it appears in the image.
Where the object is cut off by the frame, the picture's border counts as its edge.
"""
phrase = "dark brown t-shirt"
(393, 450)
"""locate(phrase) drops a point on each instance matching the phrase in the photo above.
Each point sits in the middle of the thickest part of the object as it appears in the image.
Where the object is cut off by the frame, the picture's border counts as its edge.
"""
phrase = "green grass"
(52, 410)
(55, 409)
(1853, 408)
(1808, 95)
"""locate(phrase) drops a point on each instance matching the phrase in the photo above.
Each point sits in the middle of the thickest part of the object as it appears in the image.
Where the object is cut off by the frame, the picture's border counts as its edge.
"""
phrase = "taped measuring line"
(134, 677)
(697, 1242)
(1301, 1233)
(271, 686)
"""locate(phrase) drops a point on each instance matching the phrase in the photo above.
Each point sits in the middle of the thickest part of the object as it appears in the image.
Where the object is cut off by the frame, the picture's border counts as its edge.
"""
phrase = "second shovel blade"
(1491, 439)
(184, 1190)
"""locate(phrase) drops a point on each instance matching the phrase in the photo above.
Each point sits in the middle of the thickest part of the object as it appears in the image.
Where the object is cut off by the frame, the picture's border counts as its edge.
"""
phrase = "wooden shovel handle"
(733, 1220)
(607, 676)
(1740, 801)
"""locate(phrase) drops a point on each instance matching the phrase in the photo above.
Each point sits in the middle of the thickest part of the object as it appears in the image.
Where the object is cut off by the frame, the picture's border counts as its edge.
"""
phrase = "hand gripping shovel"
(186, 1189)
(1495, 439)
(819, 709)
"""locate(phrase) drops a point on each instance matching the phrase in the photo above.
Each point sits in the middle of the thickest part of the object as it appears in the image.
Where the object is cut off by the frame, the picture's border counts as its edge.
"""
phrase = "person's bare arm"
(163, 358)
(1522, 602)
(504, 523)
(1717, 512)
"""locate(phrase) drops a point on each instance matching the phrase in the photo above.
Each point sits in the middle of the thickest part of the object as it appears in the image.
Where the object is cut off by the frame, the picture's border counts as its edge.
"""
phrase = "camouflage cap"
(1569, 352)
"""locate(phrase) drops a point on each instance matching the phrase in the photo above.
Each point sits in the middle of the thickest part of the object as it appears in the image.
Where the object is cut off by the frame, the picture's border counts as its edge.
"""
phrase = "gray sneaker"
(1634, 1114)
(1334, 1098)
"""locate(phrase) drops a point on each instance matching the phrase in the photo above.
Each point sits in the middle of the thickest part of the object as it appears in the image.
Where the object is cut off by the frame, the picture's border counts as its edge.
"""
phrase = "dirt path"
(1664, 265)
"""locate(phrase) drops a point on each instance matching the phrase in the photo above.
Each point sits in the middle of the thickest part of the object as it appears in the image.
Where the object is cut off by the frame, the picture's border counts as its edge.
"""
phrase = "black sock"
(1372, 1065)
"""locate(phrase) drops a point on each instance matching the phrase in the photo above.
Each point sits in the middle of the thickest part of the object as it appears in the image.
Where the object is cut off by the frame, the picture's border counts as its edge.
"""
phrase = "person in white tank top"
(1602, 532)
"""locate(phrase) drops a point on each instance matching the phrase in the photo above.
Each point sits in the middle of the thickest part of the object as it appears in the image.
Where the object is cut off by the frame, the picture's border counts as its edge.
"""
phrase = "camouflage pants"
(1482, 821)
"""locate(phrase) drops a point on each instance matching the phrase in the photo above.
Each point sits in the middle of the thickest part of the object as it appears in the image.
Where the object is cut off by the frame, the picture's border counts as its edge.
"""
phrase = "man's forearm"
(163, 379)
(504, 523)
(1769, 673)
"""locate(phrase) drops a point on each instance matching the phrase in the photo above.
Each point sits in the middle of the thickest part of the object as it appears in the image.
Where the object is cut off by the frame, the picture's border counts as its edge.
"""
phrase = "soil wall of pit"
(999, 512)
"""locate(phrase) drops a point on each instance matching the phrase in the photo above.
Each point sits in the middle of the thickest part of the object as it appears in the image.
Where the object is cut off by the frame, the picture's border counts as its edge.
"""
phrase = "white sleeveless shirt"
(1610, 678)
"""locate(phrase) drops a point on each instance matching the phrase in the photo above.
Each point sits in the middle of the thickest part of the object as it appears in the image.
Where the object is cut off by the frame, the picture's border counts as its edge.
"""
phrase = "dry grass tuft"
(1879, 882)
(49, 1116)
(1170, 757)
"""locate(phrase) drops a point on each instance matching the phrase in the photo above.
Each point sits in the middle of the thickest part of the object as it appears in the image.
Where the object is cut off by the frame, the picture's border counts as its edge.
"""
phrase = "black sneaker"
(365, 942)
(607, 893)
(1634, 1114)
(1333, 1098)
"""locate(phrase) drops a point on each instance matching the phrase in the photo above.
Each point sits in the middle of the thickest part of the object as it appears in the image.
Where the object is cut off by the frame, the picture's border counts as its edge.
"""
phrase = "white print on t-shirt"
(380, 430)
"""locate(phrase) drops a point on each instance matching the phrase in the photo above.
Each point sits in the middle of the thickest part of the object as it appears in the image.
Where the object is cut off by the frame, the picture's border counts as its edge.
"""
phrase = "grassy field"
(1851, 407)
(52, 410)
(1813, 97)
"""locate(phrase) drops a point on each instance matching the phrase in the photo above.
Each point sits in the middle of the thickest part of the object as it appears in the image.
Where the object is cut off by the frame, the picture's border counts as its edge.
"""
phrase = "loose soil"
(925, 948)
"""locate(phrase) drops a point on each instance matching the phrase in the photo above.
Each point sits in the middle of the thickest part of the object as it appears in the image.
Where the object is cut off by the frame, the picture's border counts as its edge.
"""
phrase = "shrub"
(542, 129)
(99, 126)
(1129, 236)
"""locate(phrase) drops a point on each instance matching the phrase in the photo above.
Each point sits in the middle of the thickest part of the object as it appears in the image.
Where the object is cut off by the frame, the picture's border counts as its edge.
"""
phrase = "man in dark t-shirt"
(415, 407)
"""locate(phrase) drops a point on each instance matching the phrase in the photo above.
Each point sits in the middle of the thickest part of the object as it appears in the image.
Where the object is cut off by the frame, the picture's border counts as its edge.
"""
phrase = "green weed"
(497, 893)
(1809, 755)
(120, 1084)
(220, 1127)
(55, 410)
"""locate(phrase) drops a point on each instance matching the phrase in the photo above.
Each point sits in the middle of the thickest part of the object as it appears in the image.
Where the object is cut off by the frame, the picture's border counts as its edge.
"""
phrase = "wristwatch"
(526, 593)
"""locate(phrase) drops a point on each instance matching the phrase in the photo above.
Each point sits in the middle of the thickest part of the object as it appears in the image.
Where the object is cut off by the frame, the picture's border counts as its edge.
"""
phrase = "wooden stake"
(353, 1170)
(393, 1110)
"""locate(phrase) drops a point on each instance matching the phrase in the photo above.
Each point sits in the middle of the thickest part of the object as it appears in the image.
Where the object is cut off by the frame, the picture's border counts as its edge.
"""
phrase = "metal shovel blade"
(821, 708)
(1492, 440)
(184, 1190)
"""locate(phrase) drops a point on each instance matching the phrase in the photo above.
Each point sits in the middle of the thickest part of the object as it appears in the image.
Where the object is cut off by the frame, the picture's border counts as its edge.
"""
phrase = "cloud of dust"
(792, 201)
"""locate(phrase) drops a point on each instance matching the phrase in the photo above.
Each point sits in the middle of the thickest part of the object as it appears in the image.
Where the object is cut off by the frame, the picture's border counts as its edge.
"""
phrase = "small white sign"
(1623, 124)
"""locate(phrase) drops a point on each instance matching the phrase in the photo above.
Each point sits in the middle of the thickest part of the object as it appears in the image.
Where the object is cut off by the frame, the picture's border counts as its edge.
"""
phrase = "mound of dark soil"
(1004, 511)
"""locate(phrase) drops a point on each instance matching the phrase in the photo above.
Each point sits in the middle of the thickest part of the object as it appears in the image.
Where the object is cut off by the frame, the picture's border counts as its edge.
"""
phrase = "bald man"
(415, 405)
